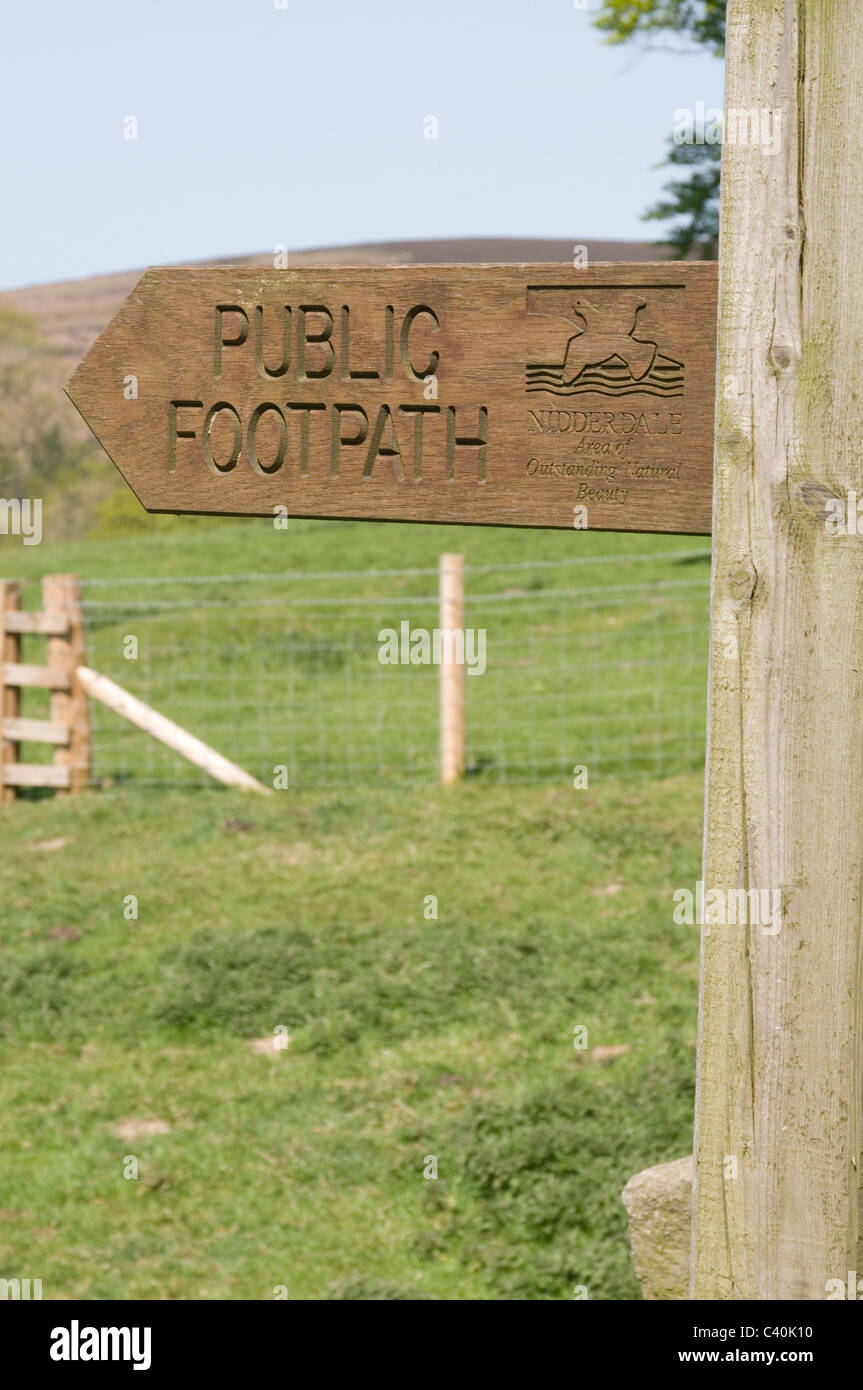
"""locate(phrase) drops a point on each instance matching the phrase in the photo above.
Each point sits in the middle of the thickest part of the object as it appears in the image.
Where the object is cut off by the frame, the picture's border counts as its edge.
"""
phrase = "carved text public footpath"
(492, 395)
(311, 344)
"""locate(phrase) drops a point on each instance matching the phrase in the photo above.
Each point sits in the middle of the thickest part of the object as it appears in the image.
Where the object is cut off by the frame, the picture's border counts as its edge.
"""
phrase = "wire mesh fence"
(595, 662)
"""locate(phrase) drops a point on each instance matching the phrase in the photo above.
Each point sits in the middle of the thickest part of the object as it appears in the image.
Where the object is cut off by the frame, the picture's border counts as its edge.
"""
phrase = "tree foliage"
(35, 450)
(702, 21)
(691, 203)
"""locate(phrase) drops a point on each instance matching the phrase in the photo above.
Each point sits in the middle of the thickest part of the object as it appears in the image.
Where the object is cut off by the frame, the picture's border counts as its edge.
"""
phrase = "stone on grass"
(659, 1204)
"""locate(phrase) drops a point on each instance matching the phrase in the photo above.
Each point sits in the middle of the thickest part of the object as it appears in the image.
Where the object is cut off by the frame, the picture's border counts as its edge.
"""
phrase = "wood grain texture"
(490, 395)
(16, 673)
(10, 699)
(778, 1108)
(44, 624)
(36, 775)
(34, 731)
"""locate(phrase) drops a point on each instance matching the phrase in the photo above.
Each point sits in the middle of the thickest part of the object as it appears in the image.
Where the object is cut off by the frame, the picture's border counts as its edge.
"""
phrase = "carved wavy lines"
(611, 378)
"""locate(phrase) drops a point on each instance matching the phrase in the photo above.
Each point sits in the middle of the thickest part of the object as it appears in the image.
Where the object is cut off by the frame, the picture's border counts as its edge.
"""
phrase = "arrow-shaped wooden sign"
(529, 395)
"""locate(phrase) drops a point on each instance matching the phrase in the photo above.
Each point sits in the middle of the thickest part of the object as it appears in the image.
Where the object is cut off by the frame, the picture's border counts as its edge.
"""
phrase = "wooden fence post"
(10, 650)
(61, 594)
(778, 1107)
(452, 672)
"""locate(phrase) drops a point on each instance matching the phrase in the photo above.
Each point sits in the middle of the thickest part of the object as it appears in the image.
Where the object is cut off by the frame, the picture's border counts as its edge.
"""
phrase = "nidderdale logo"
(76, 1343)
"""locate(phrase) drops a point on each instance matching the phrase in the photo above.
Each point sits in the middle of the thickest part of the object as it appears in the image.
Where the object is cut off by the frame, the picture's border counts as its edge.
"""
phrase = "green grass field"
(410, 1037)
(596, 650)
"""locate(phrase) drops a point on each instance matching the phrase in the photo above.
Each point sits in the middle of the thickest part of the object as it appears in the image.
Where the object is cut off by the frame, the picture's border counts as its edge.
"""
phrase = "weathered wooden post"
(778, 1114)
(61, 595)
(10, 696)
(452, 672)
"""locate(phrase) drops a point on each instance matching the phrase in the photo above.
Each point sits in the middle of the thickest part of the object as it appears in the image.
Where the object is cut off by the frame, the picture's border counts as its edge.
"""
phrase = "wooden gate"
(67, 730)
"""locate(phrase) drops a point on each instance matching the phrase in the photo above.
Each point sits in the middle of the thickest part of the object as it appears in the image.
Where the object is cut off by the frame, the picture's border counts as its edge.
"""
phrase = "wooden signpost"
(517, 395)
(779, 1108)
(495, 395)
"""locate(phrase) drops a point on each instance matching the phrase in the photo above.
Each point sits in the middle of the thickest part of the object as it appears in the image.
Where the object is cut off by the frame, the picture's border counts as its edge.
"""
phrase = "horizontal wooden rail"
(35, 731)
(35, 775)
(43, 624)
(45, 677)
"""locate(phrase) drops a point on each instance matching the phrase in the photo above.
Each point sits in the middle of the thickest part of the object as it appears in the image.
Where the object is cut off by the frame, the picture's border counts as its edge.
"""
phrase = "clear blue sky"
(303, 127)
